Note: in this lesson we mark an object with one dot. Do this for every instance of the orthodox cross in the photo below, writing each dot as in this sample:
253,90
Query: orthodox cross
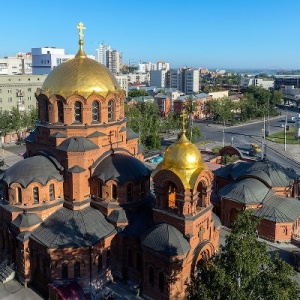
81,28
183,115
110,134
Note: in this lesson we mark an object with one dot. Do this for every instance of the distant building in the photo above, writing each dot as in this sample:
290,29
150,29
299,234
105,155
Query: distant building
219,94
123,82
185,80
161,65
164,104
19,91
19,64
287,80
45,59
146,67
158,78
139,78
101,53
261,82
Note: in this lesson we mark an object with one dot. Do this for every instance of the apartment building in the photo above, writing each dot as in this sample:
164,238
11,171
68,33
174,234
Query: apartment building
123,82
146,67
158,78
19,64
185,80
19,91
262,82
138,77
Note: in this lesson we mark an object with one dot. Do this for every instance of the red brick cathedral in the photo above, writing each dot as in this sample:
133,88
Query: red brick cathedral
79,207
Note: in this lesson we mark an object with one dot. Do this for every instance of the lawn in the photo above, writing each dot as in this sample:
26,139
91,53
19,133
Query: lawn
279,137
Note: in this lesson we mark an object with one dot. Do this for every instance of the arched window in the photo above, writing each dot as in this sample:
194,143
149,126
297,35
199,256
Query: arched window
151,276
100,189
110,111
77,270
19,195
129,191
52,191
77,112
64,271
129,258
60,112
36,198
95,111
100,263
161,281
114,191
172,203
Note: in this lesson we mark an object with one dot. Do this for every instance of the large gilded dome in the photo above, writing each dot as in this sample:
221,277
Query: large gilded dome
184,159
80,75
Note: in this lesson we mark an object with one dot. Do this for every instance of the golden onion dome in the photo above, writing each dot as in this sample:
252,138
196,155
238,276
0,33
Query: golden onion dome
80,75
184,159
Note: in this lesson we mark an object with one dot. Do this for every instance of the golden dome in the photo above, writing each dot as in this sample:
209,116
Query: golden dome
80,75
184,159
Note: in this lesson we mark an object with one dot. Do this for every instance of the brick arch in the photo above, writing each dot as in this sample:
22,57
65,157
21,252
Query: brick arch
166,175
204,249
230,151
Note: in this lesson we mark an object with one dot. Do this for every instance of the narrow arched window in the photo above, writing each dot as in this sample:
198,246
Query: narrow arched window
77,270
19,195
60,112
64,271
78,112
151,276
110,110
52,191
100,263
100,189
36,198
95,111
161,281
129,192
114,191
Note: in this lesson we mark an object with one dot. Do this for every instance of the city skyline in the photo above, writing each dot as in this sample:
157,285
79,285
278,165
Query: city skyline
256,34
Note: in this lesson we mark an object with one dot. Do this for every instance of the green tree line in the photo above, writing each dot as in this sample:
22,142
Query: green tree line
15,120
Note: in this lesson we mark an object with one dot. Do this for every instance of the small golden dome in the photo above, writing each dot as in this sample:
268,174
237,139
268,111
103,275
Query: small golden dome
184,159
80,75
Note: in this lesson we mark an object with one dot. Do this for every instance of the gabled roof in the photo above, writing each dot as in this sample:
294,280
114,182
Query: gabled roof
167,240
27,220
96,134
118,216
280,209
131,134
76,169
77,144
73,228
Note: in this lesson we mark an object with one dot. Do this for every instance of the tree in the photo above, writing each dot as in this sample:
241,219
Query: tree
137,93
243,269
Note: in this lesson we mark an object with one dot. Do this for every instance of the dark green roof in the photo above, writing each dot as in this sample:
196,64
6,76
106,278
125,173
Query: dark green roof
280,209
246,191
167,240
73,228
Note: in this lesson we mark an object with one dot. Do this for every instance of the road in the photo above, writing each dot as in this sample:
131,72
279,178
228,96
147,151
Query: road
241,136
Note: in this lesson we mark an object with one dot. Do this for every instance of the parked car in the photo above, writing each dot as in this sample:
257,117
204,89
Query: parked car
296,259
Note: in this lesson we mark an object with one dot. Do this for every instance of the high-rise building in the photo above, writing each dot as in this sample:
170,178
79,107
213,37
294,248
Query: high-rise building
161,65
101,53
19,64
158,78
110,58
185,80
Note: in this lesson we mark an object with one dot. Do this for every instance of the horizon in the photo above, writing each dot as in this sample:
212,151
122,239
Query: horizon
214,35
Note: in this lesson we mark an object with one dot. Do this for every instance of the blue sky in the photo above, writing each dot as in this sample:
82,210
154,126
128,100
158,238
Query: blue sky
219,34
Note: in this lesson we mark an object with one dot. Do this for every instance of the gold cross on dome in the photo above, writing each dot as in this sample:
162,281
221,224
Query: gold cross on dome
81,28
183,115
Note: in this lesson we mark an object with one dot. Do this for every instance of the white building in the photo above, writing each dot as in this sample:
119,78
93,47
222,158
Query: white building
19,91
113,61
261,82
161,65
123,81
101,53
158,78
185,80
146,67
138,77
19,64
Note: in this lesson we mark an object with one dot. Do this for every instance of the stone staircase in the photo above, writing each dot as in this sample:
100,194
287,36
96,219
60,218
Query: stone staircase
7,271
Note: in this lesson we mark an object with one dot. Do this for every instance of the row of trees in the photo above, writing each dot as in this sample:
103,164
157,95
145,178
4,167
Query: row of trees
255,103
243,269
15,120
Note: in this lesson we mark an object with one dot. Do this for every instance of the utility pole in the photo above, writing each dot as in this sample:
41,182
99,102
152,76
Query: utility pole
223,133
